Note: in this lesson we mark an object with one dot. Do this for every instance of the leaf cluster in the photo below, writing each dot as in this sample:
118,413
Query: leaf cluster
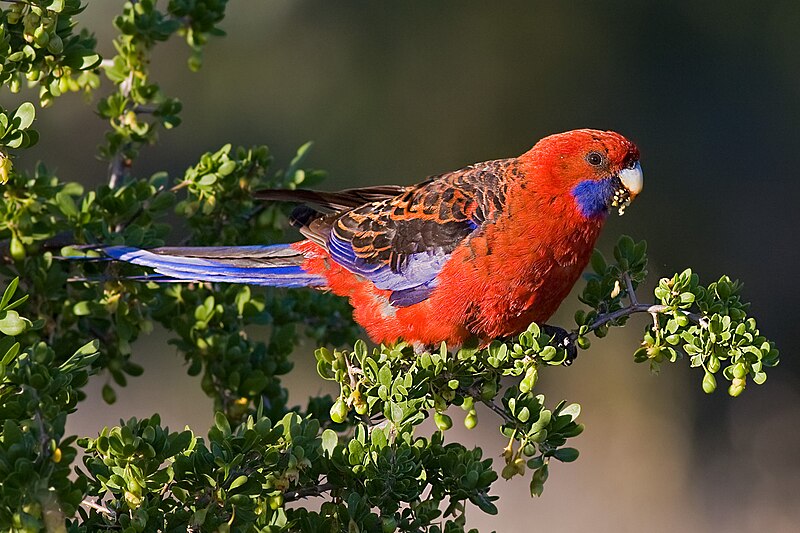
138,106
401,386
709,324
36,394
38,43
723,338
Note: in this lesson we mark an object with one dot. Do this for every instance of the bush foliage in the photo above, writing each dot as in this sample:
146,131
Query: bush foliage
361,453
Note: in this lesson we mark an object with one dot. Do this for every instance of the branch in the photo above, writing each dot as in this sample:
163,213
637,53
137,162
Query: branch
634,307
99,508
306,492
116,171
602,320
629,287
120,163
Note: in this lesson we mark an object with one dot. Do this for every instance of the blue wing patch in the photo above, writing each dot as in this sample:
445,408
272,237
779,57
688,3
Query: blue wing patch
411,284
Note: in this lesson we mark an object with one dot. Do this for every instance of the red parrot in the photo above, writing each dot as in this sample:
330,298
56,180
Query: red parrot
480,252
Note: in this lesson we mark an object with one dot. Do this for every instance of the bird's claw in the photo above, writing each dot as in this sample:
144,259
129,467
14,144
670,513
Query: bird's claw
562,339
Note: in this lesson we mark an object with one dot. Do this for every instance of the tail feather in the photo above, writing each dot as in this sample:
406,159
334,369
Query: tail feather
275,265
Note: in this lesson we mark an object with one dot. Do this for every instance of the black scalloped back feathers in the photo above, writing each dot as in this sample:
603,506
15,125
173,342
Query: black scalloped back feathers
400,237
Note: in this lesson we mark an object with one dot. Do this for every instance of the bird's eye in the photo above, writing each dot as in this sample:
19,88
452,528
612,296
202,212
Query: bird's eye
595,159
631,163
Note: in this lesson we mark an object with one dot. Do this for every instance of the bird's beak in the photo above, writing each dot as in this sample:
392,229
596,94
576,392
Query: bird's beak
632,179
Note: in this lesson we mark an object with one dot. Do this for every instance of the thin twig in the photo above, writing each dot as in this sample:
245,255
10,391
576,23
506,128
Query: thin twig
306,492
635,307
602,320
119,163
145,109
116,171
352,370
629,287
181,185
99,508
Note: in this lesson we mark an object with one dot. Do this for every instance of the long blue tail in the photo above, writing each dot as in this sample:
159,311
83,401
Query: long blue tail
276,265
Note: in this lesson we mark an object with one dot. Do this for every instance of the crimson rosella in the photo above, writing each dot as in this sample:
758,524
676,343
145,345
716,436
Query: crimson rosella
477,253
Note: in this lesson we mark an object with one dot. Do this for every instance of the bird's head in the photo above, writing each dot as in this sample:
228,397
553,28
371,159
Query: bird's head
600,170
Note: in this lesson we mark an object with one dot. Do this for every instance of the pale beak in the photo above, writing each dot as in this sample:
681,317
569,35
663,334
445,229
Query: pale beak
632,179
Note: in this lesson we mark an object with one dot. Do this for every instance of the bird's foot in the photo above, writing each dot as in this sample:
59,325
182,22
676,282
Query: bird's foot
563,339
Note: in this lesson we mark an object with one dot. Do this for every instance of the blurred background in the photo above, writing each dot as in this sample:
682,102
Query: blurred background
394,92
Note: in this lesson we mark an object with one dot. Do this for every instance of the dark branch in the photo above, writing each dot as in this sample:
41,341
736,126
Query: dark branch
307,492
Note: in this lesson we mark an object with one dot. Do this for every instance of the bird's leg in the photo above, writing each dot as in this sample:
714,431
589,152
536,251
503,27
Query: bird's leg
562,339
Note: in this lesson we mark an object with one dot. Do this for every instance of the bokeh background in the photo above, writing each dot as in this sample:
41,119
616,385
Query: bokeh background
391,92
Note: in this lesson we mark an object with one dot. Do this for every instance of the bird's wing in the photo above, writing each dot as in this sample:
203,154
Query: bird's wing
401,243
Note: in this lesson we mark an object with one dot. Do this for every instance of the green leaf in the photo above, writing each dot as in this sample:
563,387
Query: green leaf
109,396
226,168
9,292
66,204
484,503
12,433
222,424
385,376
25,113
572,411
81,59
81,309
566,455
89,348
15,140
360,349
329,441
598,262
12,324
179,443
10,353
238,482
298,159
537,481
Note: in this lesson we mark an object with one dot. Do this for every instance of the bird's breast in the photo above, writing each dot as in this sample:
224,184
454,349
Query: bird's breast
516,271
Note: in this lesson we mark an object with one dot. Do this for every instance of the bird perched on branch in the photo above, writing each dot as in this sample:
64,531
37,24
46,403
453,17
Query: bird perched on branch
480,252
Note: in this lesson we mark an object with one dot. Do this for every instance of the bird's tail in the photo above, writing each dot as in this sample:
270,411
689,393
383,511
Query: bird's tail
279,265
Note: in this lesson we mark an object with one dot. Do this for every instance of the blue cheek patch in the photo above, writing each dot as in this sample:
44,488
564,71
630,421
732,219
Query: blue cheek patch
593,197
